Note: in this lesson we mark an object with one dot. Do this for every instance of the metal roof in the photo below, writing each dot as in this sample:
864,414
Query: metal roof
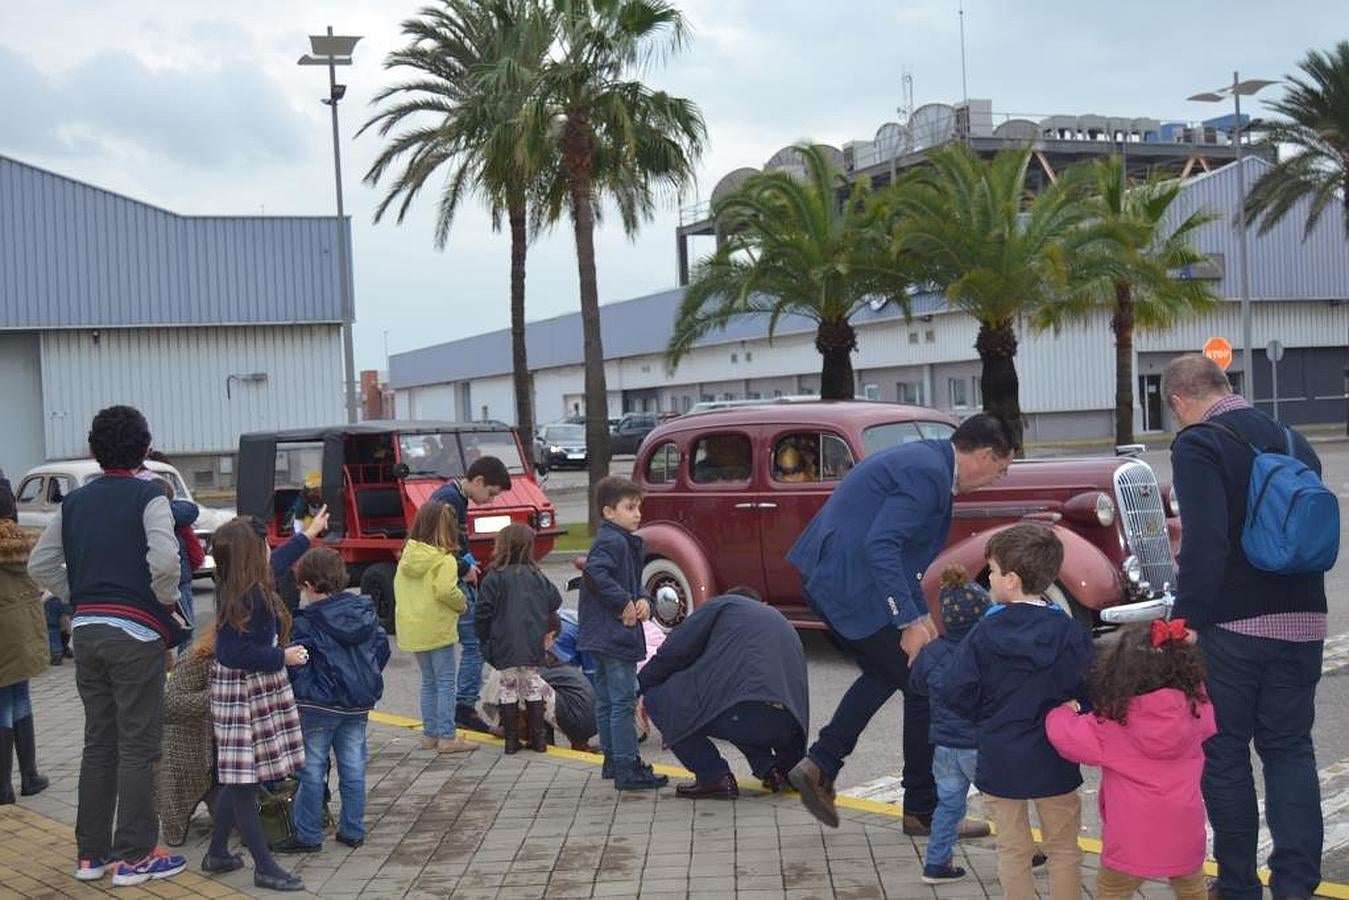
372,426
74,255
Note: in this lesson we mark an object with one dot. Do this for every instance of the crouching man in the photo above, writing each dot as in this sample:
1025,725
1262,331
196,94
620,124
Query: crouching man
733,670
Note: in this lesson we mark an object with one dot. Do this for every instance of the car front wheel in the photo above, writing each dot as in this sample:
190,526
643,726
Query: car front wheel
377,584
658,573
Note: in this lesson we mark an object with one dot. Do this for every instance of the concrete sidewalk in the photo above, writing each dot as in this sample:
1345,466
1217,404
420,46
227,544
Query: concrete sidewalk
485,825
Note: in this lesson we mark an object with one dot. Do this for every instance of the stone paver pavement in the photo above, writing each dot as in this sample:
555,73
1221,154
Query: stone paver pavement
485,825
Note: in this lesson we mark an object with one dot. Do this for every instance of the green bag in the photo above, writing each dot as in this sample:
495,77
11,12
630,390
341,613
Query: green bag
275,806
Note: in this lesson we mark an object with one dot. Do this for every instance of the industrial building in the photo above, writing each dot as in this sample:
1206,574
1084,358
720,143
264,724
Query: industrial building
211,325
1300,297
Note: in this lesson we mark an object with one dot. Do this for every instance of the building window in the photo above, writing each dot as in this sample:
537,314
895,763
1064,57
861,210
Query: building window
913,337
930,336
707,398
777,394
749,356
959,399
685,403
753,395
978,392
734,358
871,391
728,396
910,392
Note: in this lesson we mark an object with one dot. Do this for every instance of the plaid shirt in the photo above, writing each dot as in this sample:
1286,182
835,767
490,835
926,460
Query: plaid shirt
1292,626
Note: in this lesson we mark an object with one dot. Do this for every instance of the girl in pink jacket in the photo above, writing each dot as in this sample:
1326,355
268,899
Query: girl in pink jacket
1151,719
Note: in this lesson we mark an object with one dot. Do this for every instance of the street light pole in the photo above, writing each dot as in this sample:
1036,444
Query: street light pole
1236,89
332,51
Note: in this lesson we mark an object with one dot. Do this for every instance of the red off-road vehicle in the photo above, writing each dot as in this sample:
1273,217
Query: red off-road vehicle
373,477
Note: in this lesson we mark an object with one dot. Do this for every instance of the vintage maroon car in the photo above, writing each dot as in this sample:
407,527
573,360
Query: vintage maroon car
727,493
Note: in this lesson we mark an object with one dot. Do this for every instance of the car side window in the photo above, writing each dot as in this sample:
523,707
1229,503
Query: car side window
30,490
810,457
663,465
938,431
719,458
57,488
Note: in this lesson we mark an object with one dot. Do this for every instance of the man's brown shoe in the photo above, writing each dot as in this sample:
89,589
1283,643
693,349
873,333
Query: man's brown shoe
816,790
723,788
921,826
776,781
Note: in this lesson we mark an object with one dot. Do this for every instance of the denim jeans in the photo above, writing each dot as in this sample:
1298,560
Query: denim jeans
615,707
885,669
121,683
438,689
953,769
54,608
1263,690
15,703
470,657
767,735
345,737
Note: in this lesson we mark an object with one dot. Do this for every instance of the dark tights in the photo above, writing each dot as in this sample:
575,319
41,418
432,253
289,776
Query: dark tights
237,807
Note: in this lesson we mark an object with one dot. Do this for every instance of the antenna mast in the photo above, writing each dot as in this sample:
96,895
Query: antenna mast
964,87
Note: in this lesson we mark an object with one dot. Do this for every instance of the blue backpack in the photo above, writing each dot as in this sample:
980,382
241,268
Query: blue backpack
1292,519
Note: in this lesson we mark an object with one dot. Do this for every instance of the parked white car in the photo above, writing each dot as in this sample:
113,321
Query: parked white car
39,492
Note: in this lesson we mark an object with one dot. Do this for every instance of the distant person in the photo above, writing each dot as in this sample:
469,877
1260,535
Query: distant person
514,606
861,559
486,477
1262,636
733,670
1151,716
428,606
1025,657
307,503
23,655
611,612
335,690
110,551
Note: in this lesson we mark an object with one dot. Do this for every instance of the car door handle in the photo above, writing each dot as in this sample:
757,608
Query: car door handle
744,506
768,506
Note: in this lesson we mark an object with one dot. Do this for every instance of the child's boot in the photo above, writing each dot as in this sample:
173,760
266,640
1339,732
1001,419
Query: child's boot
538,730
635,775
25,747
510,725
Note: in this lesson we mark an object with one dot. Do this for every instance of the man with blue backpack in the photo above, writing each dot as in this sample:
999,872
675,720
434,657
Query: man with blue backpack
1259,530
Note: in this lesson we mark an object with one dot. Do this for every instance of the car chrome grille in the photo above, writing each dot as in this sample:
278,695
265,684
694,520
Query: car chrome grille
1143,518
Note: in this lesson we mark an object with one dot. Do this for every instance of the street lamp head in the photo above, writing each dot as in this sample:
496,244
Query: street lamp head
1252,86
1206,97
308,60
333,44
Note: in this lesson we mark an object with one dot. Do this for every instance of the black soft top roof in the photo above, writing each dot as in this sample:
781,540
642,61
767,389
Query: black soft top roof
373,426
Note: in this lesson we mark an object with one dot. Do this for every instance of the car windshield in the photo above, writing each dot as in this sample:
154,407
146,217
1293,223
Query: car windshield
564,433
449,454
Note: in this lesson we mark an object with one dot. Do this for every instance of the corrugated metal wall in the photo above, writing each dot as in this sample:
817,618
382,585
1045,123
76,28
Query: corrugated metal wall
21,376
75,255
177,377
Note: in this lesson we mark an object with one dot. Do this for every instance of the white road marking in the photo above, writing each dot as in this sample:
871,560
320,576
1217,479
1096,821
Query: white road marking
1336,654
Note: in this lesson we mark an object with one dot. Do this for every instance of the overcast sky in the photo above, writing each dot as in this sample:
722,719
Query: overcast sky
200,108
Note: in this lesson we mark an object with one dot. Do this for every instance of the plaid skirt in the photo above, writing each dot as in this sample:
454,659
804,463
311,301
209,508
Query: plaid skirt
257,727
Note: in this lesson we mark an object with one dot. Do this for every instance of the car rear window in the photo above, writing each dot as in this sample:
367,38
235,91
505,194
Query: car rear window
663,465
891,434
720,458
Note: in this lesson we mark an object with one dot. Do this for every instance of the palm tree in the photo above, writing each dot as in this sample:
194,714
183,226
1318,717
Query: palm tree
793,248
616,140
1135,242
1317,108
971,230
470,133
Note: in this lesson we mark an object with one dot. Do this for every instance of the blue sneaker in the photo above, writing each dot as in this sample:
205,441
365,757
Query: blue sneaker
942,874
93,869
157,865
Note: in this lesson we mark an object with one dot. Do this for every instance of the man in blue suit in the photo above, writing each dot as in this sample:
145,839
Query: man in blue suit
861,561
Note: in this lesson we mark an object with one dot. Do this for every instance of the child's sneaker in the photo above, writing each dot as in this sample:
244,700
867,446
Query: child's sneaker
942,874
156,865
1038,861
638,776
93,869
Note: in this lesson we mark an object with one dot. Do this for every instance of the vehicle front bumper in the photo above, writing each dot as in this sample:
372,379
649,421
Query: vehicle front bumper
1158,607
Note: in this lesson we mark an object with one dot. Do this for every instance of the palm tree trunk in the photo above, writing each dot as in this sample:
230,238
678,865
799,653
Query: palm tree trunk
836,341
996,344
1122,323
524,387
577,146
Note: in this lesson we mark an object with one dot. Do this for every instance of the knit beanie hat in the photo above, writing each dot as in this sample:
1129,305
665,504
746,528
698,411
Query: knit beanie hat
963,603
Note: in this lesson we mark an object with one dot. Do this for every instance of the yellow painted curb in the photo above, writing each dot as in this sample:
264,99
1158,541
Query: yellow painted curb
894,810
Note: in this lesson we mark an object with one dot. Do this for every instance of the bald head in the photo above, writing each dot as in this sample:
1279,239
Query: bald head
1191,384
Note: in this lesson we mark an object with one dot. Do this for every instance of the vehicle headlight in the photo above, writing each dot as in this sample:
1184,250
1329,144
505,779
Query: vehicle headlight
545,520
1133,569
1105,510
554,448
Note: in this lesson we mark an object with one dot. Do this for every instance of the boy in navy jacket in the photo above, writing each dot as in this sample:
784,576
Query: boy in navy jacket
1023,659
335,692
611,610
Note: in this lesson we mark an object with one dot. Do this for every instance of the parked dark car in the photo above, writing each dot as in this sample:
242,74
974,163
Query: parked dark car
561,446
727,493
627,435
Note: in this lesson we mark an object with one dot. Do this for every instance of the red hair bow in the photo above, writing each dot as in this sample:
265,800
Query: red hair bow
1163,631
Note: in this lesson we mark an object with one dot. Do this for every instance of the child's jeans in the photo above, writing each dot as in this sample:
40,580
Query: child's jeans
520,683
1060,820
953,770
1114,885
469,687
438,689
55,608
344,736
615,707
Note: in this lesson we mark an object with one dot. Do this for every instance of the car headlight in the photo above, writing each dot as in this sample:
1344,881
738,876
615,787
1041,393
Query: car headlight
1105,510
545,520
1133,569
554,448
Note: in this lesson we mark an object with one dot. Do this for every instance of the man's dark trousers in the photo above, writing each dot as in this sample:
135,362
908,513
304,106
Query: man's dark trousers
885,669
1263,690
766,733
121,682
